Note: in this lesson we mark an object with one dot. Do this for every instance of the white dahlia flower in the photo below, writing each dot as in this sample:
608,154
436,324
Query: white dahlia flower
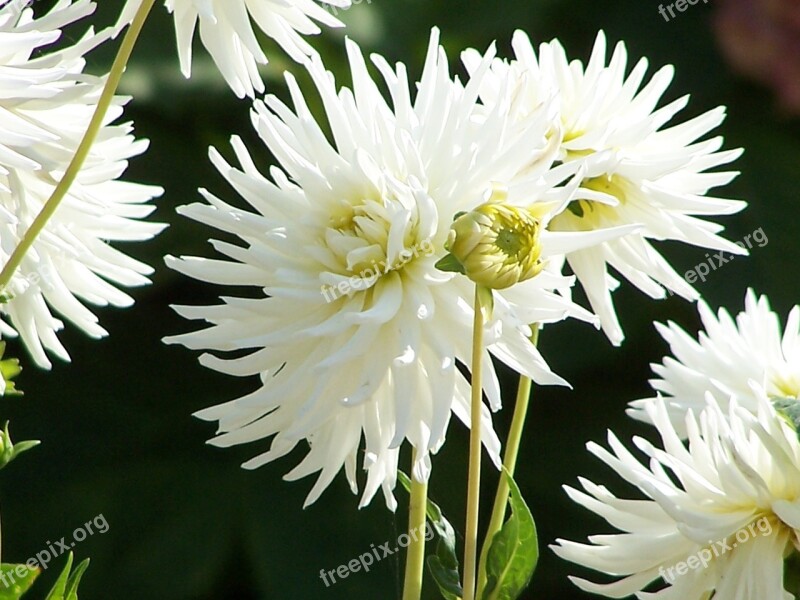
718,516
226,30
358,333
638,169
741,359
46,102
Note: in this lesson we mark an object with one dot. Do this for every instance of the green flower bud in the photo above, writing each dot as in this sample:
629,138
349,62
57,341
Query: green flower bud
496,245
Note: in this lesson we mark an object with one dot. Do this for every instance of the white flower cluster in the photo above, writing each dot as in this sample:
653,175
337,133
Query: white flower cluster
589,150
585,149
734,394
584,154
46,102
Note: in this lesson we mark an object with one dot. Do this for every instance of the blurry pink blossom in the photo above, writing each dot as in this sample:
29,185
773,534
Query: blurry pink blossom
761,39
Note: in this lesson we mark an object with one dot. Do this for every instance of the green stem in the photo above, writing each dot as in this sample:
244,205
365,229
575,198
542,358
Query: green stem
415,559
474,483
95,125
510,463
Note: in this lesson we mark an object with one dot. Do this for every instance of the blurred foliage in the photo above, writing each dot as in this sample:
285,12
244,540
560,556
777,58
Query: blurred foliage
9,369
16,580
185,521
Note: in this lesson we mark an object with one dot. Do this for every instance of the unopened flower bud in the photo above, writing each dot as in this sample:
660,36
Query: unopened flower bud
496,245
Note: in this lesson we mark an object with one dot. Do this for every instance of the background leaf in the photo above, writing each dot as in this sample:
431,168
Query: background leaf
443,565
75,580
59,590
513,552
12,586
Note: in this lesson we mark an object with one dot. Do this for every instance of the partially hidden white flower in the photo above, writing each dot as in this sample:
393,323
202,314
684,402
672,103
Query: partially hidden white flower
638,169
357,334
718,516
742,358
46,102
226,30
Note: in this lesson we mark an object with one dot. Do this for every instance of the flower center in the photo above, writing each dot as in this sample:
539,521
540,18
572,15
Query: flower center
591,210
369,238
786,387
510,242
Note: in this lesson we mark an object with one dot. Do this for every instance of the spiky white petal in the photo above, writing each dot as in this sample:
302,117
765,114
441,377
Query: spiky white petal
379,360
732,497
226,31
742,358
638,169
46,102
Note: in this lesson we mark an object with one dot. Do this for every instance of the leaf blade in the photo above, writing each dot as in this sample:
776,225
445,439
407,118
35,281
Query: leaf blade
443,565
514,551
12,585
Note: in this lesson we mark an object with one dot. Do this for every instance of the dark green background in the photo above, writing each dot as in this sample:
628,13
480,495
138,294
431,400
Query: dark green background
185,521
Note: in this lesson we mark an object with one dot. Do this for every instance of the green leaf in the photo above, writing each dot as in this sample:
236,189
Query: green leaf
60,588
66,587
514,551
9,368
12,585
576,208
9,450
789,409
450,264
446,578
75,580
443,565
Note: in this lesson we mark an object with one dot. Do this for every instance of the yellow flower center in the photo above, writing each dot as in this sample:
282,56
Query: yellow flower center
786,387
591,213
367,239
363,236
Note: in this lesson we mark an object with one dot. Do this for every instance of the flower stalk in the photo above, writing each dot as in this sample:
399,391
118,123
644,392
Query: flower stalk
509,462
84,148
415,559
474,483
